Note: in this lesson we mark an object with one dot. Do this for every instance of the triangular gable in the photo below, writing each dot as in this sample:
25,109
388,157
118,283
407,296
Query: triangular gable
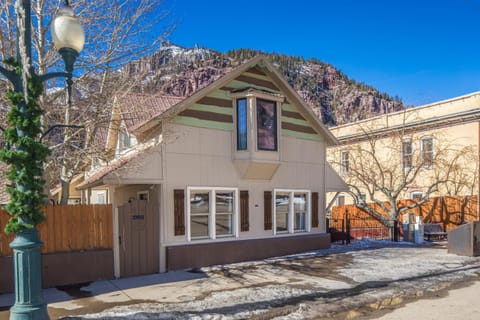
211,106
333,181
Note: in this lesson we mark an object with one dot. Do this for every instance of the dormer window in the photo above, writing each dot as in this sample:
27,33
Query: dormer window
242,121
124,141
266,125
256,139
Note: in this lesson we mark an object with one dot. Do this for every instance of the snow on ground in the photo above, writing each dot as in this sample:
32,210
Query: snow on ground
365,274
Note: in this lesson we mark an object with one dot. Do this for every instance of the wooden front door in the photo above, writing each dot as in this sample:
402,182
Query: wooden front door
138,238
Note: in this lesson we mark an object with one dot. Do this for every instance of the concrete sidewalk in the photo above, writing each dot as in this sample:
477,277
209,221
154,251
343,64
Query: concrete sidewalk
359,279
99,295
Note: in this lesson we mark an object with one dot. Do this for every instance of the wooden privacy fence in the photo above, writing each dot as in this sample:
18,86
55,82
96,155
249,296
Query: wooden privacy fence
68,228
451,211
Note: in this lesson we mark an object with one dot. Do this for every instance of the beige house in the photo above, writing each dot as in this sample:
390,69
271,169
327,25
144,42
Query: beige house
237,171
438,142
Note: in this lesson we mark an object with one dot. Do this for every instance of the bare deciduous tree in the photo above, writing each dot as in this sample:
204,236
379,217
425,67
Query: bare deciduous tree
117,31
384,167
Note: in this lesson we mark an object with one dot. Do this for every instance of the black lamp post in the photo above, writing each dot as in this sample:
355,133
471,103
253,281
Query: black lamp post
25,154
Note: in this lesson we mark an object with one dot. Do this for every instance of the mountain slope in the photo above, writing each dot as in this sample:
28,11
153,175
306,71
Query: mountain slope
333,96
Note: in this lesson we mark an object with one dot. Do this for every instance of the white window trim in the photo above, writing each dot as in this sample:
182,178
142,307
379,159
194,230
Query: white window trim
415,193
291,216
211,217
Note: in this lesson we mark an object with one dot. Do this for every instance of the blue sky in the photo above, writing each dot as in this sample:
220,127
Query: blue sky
422,51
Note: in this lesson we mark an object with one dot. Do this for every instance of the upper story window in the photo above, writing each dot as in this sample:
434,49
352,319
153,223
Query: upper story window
341,200
124,141
257,115
242,124
407,154
345,162
426,145
266,125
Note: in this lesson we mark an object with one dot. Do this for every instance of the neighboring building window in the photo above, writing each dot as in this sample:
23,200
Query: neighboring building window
212,212
341,200
416,195
407,154
242,124
427,151
123,140
266,125
292,211
345,162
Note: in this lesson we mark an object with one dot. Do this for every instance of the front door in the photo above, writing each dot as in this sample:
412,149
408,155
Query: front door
138,238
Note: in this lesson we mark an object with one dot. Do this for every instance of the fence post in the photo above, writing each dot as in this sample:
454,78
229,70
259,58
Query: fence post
327,224
347,221
343,232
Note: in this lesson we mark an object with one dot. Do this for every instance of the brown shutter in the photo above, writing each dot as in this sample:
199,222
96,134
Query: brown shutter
267,213
314,209
244,224
179,211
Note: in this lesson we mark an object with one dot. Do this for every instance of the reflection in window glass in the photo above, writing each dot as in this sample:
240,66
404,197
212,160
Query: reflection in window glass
242,124
427,151
212,213
266,125
300,210
199,209
292,211
282,201
224,212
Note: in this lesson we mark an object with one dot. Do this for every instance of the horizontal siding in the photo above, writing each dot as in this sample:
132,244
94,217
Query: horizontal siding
193,122
213,109
300,135
206,115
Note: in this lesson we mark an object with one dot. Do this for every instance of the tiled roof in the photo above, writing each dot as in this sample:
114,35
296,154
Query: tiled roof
137,109
114,165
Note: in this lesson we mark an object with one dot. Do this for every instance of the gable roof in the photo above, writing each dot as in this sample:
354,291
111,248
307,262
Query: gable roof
280,83
137,108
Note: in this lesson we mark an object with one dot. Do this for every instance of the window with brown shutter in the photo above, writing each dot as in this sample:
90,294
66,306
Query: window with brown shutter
244,219
179,211
267,213
314,209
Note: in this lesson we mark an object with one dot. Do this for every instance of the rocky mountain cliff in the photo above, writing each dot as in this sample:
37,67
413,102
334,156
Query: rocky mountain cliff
336,98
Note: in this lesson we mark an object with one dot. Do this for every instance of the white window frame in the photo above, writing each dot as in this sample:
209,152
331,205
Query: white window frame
422,151
212,214
291,215
344,168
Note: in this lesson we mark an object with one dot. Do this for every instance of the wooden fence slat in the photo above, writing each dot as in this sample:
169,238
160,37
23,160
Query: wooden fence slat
451,211
68,228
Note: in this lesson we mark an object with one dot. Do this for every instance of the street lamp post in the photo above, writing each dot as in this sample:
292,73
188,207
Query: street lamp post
25,154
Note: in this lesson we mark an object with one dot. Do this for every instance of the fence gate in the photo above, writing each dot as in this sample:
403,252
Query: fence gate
138,238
